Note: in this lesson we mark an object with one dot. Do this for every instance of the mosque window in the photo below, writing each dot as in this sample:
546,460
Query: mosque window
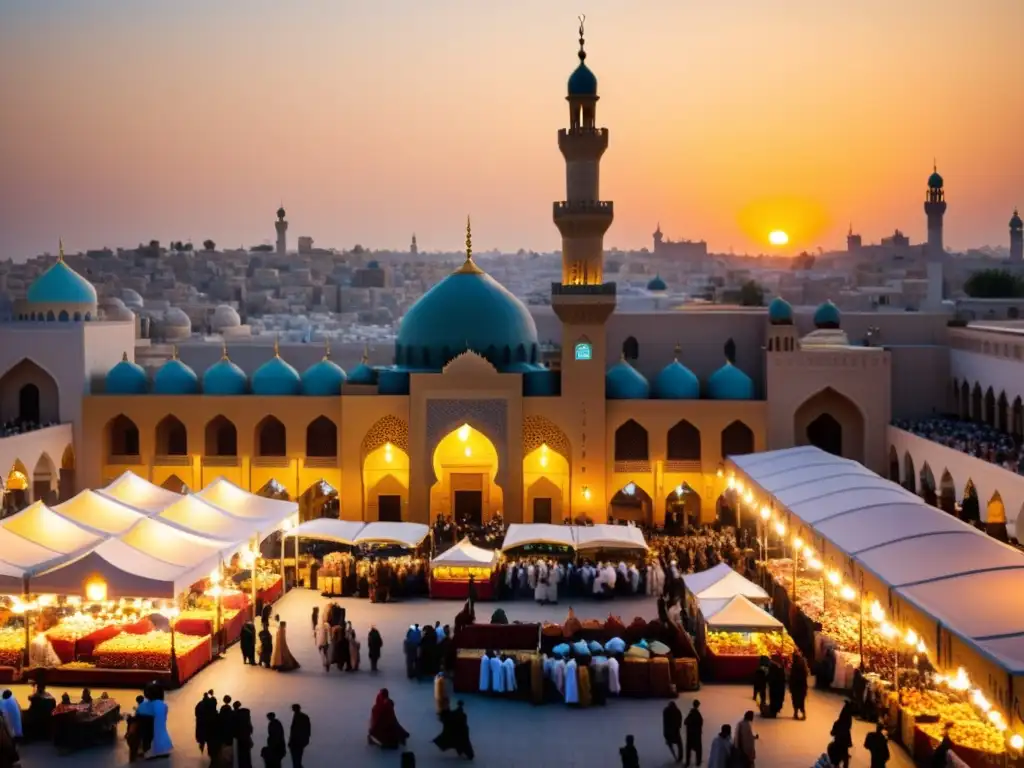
88,316
50,317
63,316
78,317
631,348
521,354
584,351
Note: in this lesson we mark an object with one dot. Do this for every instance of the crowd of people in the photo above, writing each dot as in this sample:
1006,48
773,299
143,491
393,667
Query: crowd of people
974,438
447,532
271,649
375,576
546,579
225,733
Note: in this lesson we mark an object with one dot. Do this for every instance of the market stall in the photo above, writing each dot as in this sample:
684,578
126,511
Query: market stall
99,512
335,575
451,570
735,634
526,540
392,561
136,492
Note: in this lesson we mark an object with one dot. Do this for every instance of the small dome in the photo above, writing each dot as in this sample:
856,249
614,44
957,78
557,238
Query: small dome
827,316
323,379
276,377
225,378
131,298
175,378
176,318
780,312
392,381
60,284
582,82
657,284
362,374
935,180
114,309
676,382
225,317
730,383
373,264
1015,221
280,212
126,378
624,382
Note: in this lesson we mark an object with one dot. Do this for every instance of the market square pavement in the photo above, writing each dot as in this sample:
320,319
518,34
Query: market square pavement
505,734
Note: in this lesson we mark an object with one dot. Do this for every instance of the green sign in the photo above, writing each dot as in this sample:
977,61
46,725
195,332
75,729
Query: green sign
583,351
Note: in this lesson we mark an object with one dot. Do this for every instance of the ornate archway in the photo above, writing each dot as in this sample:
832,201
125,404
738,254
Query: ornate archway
122,438
737,439
221,438
29,395
631,503
682,509
385,470
928,492
995,517
909,473
44,480
833,422
894,464
465,467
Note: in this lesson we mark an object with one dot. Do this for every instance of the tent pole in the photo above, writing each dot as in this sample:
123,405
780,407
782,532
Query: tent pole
220,615
284,540
252,574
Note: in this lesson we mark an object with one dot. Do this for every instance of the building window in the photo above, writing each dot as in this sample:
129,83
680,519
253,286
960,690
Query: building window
584,351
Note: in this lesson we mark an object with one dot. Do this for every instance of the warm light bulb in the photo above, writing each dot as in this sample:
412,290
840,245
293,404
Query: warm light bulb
286,525
679,490
586,492
749,498
780,528
921,647
888,630
96,591
798,543
765,513
719,473
215,576
808,553
847,593
543,447
731,484
1017,741
468,451
834,577
739,487
911,638
464,432
877,614
815,564
543,461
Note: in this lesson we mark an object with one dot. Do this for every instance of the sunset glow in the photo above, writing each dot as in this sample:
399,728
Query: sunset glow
778,237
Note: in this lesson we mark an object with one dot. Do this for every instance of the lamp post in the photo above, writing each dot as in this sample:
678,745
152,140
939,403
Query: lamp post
285,527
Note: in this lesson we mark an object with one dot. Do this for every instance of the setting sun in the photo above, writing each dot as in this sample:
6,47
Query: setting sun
778,237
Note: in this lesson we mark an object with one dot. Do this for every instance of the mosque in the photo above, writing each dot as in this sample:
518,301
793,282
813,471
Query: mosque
471,419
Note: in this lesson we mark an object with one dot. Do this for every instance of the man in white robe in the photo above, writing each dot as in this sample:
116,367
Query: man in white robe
558,676
634,579
12,713
554,576
497,675
531,575
572,690
510,674
613,676
485,673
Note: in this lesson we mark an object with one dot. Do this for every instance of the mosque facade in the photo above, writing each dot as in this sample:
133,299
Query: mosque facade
468,420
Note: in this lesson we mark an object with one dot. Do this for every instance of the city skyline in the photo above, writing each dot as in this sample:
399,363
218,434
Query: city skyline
176,122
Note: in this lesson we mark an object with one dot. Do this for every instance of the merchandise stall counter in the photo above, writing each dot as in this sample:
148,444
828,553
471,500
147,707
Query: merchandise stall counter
451,570
270,593
80,726
513,637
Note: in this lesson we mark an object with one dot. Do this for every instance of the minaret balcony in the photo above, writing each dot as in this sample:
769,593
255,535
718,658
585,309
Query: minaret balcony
574,207
582,143
583,218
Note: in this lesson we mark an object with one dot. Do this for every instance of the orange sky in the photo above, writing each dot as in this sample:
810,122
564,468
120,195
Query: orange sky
126,122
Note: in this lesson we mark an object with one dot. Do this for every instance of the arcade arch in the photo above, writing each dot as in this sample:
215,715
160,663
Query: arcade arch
682,508
633,504
990,407
546,485
16,488
928,485
122,437
271,438
29,395
995,517
970,511
465,463
67,473
832,422
630,348
947,493
683,442
386,483
631,442
171,437
894,464
44,480
909,473
965,401
737,439
319,500
322,438
221,438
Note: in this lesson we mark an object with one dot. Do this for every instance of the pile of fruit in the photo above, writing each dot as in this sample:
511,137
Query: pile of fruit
970,734
209,614
461,573
969,729
82,624
12,647
78,665
754,644
149,651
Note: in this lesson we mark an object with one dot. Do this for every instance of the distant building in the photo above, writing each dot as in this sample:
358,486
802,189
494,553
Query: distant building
305,244
370,276
896,240
691,252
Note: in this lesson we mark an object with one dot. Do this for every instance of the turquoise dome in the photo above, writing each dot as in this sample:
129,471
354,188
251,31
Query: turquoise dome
582,82
393,381
323,379
276,377
730,383
780,312
127,378
624,382
175,378
60,284
827,315
676,382
225,378
541,383
1015,222
362,374
935,180
657,284
466,310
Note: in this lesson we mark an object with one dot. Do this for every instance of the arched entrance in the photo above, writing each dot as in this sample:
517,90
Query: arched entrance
272,489
947,494
976,413
682,509
737,439
832,422
995,517
970,509
631,503
385,461
1002,413
44,480
28,396
990,407
909,473
727,509
894,464
546,483
319,500
465,464
67,473
928,485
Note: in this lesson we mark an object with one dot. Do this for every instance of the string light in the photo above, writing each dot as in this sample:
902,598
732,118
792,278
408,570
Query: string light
834,578
847,593
780,528
765,513
798,543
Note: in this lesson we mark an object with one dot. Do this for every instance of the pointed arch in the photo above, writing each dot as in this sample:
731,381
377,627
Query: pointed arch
272,489
171,437
970,510
1002,413
631,348
1017,417
322,438
221,438
909,473
682,508
387,429
67,460
631,442
538,431
737,439
894,464
29,395
990,407
947,493
833,422
965,401
633,504
122,438
271,438
928,485
683,442
976,404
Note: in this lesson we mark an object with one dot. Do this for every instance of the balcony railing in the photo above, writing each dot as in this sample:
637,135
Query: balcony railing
270,462
601,289
682,465
569,207
633,466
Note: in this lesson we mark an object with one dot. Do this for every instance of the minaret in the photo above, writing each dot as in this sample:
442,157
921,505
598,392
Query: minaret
582,300
413,248
659,238
935,209
1016,239
282,232
853,241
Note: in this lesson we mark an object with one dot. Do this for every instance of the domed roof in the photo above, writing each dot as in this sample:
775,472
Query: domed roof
60,284
467,310
131,298
126,378
175,378
280,212
323,379
827,315
780,312
730,383
276,377
657,284
624,382
1015,221
541,383
935,180
176,318
582,82
225,378
114,309
225,317
676,382
362,374
374,264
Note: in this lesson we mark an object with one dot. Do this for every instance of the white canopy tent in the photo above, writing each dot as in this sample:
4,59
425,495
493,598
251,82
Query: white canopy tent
194,514
722,583
100,512
966,581
240,503
737,614
409,535
609,537
141,494
520,535
12,579
329,529
466,554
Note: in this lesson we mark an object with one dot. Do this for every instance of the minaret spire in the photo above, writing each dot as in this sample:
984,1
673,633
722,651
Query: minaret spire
583,53
60,249
468,266
277,345
327,348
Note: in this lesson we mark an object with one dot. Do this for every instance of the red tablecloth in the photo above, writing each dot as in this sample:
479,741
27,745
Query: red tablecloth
728,668
233,627
85,646
271,593
235,601
194,660
196,627
467,675
442,589
64,648
502,637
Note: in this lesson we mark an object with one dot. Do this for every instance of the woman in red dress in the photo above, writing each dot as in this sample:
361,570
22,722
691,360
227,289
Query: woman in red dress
385,730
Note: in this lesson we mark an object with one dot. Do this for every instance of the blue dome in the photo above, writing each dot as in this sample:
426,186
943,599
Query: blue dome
362,374
657,284
323,379
466,310
393,381
582,82
935,180
827,316
676,382
1015,221
225,378
175,378
624,382
276,377
730,383
780,312
127,378
60,284
542,383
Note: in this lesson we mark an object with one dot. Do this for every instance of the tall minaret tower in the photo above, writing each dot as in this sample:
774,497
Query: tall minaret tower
1016,238
582,300
282,232
935,209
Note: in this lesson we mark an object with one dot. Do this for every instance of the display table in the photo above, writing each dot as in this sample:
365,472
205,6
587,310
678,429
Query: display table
445,589
272,593
191,662
502,637
924,746
85,647
731,668
81,725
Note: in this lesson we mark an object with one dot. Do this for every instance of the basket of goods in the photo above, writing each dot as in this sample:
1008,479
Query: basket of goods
150,651
12,647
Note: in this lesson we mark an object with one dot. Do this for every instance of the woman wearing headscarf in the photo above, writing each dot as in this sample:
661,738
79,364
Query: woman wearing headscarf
338,647
154,706
798,686
353,647
282,659
385,730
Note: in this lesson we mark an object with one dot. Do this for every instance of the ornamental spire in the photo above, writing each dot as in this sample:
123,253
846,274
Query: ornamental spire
678,350
224,351
60,249
468,266
366,354
124,357
174,352
277,345
327,348
582,54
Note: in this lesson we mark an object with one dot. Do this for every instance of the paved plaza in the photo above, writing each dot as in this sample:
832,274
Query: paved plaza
506,734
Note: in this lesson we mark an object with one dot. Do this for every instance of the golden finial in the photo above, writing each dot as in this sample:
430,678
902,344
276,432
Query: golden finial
224,351
277,345
468,267
327,348
366,354
469,238
678,350
124,357
582,54
174,352
60,249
